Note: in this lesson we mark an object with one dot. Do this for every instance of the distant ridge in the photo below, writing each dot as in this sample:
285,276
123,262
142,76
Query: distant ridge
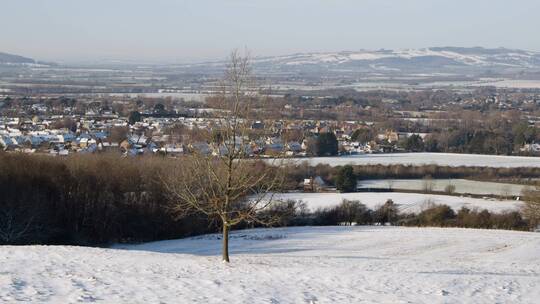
407,59
15,59
473,61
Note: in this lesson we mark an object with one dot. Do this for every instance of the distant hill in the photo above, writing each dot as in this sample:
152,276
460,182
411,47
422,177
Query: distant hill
440,59
14,59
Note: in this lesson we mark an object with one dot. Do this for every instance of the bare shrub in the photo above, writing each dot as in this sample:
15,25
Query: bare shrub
531,207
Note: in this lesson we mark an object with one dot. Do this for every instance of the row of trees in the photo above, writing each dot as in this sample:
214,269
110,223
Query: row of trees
502,140
344,180
444,216
353,212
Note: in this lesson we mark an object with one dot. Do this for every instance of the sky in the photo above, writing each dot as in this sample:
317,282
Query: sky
197,30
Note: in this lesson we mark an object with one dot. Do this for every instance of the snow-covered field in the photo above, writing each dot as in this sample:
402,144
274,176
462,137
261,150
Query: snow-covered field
510,83
441,159
293,265
407,202
461,185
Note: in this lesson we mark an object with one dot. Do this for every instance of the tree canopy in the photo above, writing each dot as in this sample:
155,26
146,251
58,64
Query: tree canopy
346,179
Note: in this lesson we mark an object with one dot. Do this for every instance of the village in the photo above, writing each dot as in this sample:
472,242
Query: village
62,126
106,132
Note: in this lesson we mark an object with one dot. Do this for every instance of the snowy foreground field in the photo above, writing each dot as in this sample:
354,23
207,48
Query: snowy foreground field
407,202
293,265
441,159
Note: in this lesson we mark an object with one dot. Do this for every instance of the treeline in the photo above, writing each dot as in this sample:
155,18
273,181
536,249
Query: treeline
356,213
296,173
500,136
505,139
444,172
88,200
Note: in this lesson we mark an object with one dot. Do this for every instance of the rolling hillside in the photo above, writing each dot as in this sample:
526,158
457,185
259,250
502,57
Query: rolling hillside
292,265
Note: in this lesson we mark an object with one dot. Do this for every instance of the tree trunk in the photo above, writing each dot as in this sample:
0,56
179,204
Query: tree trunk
225,250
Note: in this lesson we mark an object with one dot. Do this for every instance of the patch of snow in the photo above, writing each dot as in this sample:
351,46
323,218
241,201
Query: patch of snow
509,83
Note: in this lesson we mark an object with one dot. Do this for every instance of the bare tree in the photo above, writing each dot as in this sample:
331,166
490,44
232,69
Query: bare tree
229,184
16,224
427,182
506,191
450,188
390,183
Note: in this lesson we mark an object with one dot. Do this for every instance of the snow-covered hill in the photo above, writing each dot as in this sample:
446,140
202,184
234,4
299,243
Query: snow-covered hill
293,265
458,56
440,59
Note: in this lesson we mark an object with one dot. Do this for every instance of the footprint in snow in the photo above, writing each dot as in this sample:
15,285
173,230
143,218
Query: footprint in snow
309,298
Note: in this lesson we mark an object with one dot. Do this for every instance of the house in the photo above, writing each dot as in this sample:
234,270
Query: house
316,184
391,136
33,141
91,148
83,142
201,148
530,148
294,146
305,144
173,149
64,138
258,125
138,140
274,148
223,149
7,143
63,152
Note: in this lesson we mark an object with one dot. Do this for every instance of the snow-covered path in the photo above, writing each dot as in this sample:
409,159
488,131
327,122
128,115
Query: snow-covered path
293,265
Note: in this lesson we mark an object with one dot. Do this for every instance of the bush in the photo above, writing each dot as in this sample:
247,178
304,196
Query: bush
450,189
531,208
353,212
387,213
444,216
508,220
439,215
346,213
414,143
484,219
286,213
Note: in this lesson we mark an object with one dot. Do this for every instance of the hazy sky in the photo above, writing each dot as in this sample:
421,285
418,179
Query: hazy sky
183,30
